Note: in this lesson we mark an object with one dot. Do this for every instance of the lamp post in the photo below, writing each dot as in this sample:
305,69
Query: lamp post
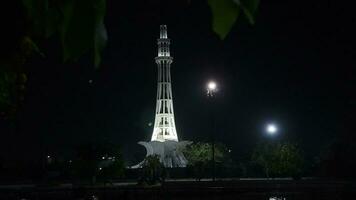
211,91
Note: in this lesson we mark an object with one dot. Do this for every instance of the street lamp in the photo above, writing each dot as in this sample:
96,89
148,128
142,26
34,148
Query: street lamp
211,90
271,129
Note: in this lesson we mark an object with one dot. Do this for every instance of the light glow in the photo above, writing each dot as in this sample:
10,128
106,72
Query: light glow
211,85
271,129
211,88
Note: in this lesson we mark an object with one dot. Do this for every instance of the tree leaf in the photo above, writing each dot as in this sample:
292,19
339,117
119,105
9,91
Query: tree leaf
225,14
52,21
83,29
31,46
66,9
77,29
101,36
36,10
249,8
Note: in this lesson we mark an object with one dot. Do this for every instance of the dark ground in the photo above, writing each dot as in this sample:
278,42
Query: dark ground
238,189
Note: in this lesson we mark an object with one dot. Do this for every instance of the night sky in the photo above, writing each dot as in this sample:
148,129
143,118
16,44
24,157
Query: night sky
294,67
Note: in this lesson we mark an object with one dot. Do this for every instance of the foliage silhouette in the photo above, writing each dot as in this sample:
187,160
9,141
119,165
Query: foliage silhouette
152,170
199,156
279,159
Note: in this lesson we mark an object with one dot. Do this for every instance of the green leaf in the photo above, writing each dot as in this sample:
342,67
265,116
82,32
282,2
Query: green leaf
67,9
101,36
225,14
52,21
7,85
80,24
249,8
32,46
83,29
77,29
36,10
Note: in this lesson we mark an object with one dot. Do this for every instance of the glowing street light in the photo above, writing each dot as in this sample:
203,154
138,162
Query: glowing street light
271,129
212,85
211,88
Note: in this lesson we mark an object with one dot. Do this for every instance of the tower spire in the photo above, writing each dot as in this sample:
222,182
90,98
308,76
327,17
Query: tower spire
163,32
164,127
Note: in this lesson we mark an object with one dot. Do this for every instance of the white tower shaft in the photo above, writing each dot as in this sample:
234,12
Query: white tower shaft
164,127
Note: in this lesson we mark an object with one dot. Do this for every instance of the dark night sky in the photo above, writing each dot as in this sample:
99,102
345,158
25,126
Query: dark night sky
295,67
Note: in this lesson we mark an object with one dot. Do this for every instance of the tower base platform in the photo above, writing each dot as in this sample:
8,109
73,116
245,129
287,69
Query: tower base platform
170,152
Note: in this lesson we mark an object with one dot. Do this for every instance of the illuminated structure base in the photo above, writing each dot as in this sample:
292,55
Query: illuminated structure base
170,152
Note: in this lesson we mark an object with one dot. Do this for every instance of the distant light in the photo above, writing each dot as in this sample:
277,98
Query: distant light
271,129
211,88
90,81
103,157
48,156
230,150
277,198
100,168
70,161
211,85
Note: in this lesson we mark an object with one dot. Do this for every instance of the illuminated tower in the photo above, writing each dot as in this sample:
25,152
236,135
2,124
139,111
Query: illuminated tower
164,126
164,141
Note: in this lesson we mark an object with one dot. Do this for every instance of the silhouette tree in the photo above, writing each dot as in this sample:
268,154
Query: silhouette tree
279,159
199,156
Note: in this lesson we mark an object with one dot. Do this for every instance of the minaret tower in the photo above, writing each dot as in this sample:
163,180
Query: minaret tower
164,141
164,127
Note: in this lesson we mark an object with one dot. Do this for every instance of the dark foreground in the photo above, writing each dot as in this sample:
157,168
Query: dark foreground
185,189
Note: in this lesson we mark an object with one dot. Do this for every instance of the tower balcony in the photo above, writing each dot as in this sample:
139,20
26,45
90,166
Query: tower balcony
168,58
163,40
164,59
